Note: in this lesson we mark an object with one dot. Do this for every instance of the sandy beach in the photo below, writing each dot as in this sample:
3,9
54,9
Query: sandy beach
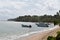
42,35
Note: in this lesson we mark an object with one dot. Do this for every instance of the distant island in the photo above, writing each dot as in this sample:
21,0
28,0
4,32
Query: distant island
35,18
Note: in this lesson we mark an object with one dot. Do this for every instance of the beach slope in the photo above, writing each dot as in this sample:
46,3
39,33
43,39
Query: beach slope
42,35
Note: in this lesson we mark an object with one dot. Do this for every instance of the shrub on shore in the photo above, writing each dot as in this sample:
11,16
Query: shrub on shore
55,22
54,38
58,35
51,38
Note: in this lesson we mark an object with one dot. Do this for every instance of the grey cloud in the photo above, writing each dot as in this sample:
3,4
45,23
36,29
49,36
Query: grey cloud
14,8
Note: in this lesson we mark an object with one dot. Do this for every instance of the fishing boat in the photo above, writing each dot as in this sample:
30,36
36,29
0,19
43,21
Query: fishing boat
42,25
28,26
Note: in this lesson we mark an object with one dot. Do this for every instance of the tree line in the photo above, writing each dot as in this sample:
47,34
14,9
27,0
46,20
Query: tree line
35,18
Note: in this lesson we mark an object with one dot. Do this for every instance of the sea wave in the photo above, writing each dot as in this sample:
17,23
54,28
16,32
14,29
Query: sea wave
13,37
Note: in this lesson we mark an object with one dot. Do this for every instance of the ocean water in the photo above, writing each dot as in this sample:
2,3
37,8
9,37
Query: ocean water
12,30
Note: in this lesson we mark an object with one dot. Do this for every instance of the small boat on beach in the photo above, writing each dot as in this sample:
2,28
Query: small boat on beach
28,26
42,25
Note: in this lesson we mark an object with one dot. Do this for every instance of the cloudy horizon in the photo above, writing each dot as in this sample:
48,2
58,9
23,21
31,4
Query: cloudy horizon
15,8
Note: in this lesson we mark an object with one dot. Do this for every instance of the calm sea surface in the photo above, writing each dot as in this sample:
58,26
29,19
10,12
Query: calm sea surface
10,30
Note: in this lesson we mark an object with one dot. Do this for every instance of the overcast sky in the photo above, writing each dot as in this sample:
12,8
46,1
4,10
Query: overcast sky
14,8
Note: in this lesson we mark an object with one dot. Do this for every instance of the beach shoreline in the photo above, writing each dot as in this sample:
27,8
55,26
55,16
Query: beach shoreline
40,35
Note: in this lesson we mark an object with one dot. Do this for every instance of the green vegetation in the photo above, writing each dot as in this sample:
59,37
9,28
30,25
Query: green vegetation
56,22
58,35
51,38
54,38
44,18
